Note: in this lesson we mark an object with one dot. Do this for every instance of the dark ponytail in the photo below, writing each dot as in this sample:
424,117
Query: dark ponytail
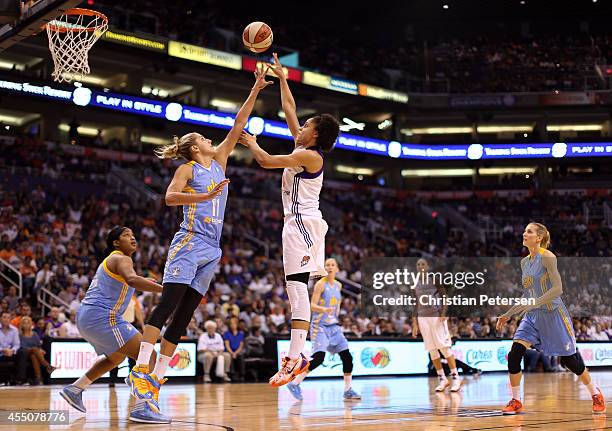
112,236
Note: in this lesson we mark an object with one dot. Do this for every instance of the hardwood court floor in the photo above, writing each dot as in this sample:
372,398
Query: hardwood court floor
553,402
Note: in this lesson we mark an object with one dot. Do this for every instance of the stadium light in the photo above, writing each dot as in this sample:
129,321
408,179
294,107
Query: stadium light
350,125
573,127
354,171
460,172
153,140
385,124
438,130
504,171
493,128
225,105
85,131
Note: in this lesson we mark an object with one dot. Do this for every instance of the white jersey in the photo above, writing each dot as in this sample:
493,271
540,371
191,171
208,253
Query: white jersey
304,228
300,192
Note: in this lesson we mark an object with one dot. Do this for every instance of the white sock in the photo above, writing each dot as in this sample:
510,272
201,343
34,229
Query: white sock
592,389
348,380
144,356
299,379
454,373
298,339
161,365
516,392
440,372
83,382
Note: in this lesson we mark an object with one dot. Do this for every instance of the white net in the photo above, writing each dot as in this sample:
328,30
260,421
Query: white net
70,38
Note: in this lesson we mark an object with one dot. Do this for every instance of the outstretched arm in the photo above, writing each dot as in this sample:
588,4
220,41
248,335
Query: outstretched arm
125,268
287,100
310,160
225,148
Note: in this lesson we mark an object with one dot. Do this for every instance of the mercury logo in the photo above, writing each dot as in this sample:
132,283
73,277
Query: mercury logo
256,126
394,149
174,111
81,96
475,151
559,149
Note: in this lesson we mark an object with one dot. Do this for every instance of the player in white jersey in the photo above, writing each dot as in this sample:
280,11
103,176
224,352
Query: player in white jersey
433,326
304,228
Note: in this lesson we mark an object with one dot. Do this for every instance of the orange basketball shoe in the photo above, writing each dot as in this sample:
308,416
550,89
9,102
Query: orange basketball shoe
513,407
599,404
290,369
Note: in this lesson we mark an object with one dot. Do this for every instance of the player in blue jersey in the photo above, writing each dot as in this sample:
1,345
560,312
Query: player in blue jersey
325,332
99,318
199,187
546,325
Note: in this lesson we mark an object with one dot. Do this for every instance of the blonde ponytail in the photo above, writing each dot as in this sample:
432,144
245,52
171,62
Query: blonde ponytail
180,148
541,229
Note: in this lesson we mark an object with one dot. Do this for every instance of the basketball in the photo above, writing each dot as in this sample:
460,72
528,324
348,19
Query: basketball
257,36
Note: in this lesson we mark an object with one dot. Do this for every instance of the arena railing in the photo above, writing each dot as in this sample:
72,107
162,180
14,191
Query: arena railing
5,268
46,306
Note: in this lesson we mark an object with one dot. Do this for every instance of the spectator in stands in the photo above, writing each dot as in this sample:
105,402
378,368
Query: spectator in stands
28,269
54,325
10,350
278,316
31,346
599,334
23,311
234,345
69,293
193,331
41,328
211,348
12,298
230,308
254,343
43,277
70,329
73,307
81,281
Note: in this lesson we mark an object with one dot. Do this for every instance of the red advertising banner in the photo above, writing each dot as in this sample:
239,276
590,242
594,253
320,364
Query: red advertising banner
251,64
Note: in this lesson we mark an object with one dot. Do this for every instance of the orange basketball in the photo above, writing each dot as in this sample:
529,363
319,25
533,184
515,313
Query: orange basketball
257,36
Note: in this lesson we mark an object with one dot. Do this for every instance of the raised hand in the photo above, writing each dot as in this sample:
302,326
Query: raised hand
277,68
246,139
501,322
260,78
216,191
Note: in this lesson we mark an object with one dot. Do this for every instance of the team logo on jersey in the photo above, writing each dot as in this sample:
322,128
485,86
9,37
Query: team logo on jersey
176,271
305,260
189,246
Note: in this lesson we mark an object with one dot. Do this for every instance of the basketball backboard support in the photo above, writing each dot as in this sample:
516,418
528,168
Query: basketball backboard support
34,16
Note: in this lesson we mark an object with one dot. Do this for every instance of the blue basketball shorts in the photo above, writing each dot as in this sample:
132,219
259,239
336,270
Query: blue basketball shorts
549,331
327,338
191,260
94,324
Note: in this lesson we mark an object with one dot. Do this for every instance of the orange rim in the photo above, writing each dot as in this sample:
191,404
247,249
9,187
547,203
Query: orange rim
79,11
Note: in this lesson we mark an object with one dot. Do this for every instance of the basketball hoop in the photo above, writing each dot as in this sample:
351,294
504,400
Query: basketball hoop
71,36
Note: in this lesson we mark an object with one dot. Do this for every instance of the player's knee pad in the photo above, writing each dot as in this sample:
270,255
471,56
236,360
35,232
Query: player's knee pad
574,363
515,356
316,360
171,296
299,301
347,361
182,315
434,354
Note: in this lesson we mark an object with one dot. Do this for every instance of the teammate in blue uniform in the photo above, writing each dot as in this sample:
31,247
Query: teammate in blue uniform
546,325
99,318
199,186
325,332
